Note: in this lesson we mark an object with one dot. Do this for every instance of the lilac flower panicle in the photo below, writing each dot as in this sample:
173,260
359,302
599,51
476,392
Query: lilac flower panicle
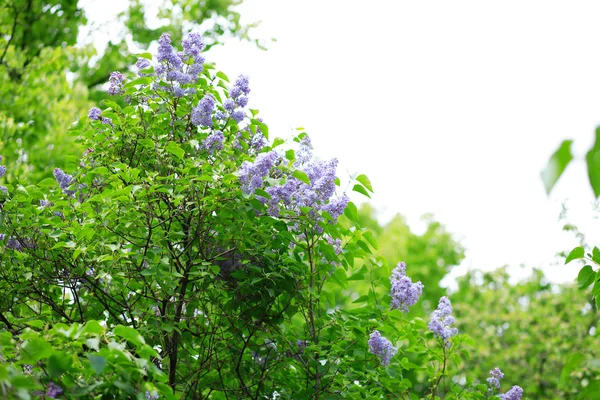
229,105
242,101
336,207
381,347
95,113
494,379
214,141
515,393
238,115
202,113
251,174
3,189
193,45
220,115
404,292
64,180
115,83
2,170
241,85
143,63
441,320
166,53
54,390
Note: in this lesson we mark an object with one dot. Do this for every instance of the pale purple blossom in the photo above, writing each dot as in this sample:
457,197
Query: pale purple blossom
95,114
238,115
115,83
515,393
143,63
54,390
151,396
251,174
441,319
202,113
64,180
214,141
404,292
381,347
242,101
229,105
494,379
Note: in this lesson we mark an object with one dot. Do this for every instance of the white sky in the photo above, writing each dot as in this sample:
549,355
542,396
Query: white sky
450,108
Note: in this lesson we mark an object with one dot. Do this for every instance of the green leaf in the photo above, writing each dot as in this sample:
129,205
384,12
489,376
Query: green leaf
586,277
596,255
98,363
223,76
556,165
35,350
361,189
47,182
593,164
365,182
174,149
301,176
576,253
130,334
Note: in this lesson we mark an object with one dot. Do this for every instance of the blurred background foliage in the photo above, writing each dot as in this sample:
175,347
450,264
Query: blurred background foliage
47,82
541,335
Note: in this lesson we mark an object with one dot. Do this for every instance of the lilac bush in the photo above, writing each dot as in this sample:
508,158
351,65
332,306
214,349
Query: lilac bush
200,260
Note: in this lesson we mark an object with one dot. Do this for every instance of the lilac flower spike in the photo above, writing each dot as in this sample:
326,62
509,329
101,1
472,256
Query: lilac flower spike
251,174
404,292
2,170
54,390
494,379
381,347
214,141
64,180
202,113
441,320
95,114
513,394
116,83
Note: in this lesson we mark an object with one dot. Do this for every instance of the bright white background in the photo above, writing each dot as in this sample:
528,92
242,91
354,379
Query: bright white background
451,108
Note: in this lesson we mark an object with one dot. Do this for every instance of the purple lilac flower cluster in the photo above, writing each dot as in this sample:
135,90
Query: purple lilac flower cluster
238,98
404,292
515,393
95,114
494,379
2,172
180,67
54,390
115,83
213,142
337,244
317,194
64,181
151,396
202,113
381,347
251,175
17,244
441,320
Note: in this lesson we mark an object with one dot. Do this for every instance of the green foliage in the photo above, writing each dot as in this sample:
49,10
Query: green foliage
542,335
87,359
46,82
205,290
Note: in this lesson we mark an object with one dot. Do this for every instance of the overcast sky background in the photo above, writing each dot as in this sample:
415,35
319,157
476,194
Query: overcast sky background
450,108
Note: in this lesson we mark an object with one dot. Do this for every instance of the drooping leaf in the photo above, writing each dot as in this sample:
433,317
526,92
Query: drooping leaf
556,165
593,164
586,277
575,254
